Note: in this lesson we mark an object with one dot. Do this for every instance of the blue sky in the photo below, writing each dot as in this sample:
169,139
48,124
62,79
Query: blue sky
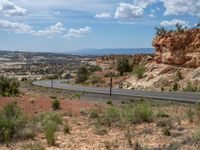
66,25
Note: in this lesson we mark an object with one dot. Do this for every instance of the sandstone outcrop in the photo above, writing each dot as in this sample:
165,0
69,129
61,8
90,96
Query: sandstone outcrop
178,48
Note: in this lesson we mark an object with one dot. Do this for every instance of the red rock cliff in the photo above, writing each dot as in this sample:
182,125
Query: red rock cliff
179,48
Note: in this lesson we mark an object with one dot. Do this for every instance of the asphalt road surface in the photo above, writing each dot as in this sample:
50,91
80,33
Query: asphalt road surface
176,96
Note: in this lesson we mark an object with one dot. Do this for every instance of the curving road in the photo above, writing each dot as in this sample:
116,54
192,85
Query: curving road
176,96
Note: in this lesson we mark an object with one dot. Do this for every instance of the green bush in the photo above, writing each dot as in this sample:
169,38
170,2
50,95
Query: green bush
123,65
190,87
175,87
28,133
49,123
161,31
9,87
179,75
66,129
109,102
46,117
143,112
179,28
82,74
94,113
112,116
96,80
166,131
55,104
162,114
12,121
139,71
49,129
196,136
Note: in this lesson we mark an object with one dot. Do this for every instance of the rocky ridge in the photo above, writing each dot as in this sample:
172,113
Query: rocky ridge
177,61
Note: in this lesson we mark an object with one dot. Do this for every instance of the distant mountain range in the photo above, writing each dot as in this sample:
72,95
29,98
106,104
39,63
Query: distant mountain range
114,51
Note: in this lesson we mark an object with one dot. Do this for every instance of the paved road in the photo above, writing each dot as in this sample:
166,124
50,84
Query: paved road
177,96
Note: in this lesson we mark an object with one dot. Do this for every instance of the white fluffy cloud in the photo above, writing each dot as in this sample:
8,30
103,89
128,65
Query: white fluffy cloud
49,32
78,32
8,9
128,11
181,7
103,15
15,27
173,7
173,23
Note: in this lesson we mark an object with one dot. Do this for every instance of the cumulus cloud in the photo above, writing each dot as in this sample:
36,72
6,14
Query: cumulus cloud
8,9
173,23
78,32
173,7
181,7
103,15
128,11
15,27
50,31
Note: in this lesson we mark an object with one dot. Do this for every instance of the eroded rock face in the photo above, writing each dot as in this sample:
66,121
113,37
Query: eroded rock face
182,49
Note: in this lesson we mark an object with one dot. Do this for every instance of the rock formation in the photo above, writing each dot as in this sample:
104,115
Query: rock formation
178,48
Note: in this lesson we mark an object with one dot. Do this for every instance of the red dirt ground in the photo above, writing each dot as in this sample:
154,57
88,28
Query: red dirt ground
33,105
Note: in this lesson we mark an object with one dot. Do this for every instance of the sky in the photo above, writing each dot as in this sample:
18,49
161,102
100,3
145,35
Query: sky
67,25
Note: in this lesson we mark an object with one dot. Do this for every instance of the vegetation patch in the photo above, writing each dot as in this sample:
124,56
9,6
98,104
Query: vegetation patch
9,86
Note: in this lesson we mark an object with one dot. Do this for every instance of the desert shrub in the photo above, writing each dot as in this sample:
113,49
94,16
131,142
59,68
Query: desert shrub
109,102
143,112
166,131
129,134
35,146
55,104
94,113
66,128
161,31
75,96
175,87
162,114
190,87
111,116
127,113
49,129
123,65
12,121
196,136
48,116
93,68
49,123
99,130
190,114
28,133
82,74
164,123
179,75
96,80
139,71
9,87
179,28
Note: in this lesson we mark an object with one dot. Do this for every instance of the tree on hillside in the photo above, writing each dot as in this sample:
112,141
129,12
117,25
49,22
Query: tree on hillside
82,74
123,65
